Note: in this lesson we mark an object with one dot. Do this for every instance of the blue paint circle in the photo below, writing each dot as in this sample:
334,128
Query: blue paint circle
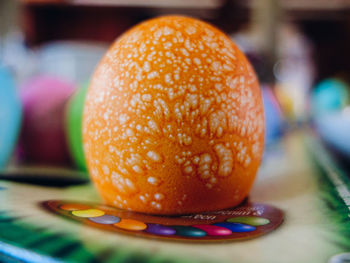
236,227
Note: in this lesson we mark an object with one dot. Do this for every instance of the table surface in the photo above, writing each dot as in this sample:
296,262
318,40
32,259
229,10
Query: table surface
297,176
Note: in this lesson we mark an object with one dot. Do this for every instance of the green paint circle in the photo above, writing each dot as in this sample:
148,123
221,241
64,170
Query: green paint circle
189,231
74,125
249,220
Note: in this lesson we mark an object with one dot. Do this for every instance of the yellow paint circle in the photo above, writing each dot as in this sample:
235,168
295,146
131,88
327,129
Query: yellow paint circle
88,213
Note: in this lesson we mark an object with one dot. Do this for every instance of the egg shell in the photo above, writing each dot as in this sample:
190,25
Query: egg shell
173,120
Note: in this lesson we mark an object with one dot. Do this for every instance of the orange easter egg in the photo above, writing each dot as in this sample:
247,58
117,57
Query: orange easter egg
173,120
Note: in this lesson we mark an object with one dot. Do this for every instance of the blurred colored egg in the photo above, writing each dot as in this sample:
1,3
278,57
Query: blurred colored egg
329,95
10,116
42,139
334,128
74,116
274,122
330,104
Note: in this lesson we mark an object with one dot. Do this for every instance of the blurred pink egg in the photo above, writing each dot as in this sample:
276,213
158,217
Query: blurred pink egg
42,139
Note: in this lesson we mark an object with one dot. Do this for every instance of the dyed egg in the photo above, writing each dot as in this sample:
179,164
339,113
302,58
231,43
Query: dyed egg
330,102
10,116
74,122
173,110
42,139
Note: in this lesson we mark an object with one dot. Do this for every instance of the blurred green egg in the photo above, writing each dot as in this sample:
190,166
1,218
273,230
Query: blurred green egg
74,123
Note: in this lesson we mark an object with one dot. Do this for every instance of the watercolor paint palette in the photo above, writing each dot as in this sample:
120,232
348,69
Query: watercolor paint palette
244,222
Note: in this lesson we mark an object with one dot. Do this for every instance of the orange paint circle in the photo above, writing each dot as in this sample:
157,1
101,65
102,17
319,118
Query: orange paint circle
73,207
173,120
131,224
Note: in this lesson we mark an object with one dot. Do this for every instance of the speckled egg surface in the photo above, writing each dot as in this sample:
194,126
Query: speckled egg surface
173,120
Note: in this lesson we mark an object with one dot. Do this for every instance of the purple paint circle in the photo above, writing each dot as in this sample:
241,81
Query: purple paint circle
162,230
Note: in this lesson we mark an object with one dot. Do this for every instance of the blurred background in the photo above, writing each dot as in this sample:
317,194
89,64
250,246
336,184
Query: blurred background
49,49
